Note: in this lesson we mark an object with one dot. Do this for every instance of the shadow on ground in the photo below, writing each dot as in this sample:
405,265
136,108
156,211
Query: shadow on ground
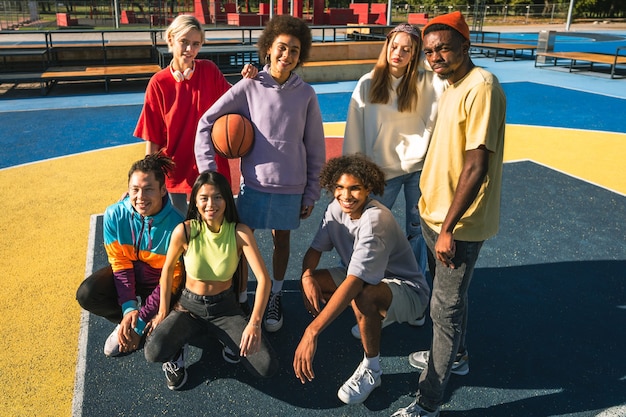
546,327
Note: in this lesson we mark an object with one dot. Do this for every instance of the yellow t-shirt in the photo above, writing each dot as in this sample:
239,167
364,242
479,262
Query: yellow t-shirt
471,113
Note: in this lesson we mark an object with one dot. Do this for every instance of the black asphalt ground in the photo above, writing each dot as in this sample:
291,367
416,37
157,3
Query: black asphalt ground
545,336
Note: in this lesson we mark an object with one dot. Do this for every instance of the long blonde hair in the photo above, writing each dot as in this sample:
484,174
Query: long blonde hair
381,78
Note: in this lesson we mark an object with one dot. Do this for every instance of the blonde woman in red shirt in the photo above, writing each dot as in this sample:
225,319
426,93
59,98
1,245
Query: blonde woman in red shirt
175,99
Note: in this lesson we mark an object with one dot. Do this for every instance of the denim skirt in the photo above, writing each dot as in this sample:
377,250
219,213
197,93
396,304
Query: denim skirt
259,210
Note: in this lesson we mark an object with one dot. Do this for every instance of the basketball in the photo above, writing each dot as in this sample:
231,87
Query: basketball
232,136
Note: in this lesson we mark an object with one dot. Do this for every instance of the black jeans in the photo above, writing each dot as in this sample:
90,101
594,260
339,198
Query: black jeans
218,315
448,310
97,294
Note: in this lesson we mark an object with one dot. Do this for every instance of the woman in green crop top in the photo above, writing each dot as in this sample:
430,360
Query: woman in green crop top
211,241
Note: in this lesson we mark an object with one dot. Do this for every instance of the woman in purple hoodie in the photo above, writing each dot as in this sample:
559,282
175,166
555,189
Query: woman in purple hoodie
280,175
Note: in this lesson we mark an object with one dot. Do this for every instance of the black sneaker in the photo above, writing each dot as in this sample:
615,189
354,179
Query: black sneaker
175,371
228,354
274,315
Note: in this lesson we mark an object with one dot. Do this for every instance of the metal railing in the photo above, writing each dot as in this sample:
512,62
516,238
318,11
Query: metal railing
247,35
501,13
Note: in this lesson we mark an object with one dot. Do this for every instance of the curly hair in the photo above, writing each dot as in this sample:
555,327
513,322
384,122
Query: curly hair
158,163
286,25
357,165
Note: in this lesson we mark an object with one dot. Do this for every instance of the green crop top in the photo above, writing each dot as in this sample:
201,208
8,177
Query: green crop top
211,256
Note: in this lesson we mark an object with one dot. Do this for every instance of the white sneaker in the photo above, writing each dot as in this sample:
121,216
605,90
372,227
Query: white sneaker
418,322
414,410
111,345
460,366
360,385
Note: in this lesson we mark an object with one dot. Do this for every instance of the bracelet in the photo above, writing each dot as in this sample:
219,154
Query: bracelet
256,326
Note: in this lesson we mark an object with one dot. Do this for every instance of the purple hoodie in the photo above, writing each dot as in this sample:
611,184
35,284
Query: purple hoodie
289,147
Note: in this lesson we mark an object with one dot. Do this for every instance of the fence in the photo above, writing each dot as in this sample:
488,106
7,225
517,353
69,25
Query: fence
498,13
42,14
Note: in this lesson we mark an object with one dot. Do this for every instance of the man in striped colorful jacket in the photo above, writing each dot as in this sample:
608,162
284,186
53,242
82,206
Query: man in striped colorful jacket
137,232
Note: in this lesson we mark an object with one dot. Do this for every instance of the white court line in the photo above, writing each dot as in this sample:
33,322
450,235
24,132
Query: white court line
83,333
560,171
70,155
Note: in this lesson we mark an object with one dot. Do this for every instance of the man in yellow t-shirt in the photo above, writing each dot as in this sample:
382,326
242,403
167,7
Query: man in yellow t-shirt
460,203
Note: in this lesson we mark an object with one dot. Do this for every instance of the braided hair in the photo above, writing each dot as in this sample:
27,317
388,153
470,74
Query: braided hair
158,163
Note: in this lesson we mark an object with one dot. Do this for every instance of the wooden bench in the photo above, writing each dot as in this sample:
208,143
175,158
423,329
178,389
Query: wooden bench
590,58
16,55
501,49
23,78
53,75
101,72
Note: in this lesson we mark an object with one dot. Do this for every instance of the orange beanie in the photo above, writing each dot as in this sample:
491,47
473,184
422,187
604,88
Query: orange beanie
455,20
